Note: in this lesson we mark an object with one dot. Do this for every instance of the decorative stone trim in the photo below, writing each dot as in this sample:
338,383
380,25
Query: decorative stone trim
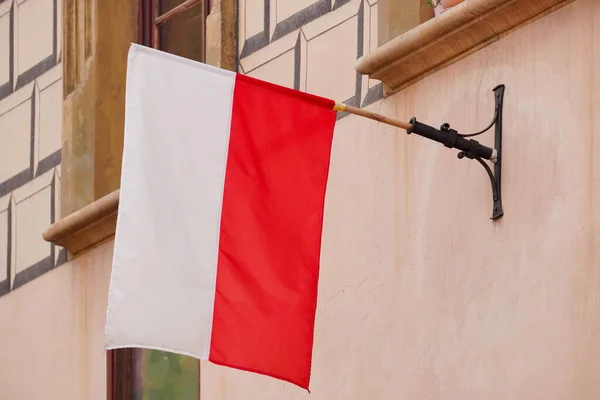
86,227
449,37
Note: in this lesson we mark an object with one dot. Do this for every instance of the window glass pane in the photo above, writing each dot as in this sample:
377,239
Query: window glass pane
166,5
159,375
183,34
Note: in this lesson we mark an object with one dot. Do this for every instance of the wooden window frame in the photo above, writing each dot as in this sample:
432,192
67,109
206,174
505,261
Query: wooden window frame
119,378
149,22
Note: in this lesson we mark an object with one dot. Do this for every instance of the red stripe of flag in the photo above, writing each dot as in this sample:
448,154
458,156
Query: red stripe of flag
270,237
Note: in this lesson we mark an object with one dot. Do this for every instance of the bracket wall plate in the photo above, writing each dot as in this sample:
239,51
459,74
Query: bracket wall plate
472,149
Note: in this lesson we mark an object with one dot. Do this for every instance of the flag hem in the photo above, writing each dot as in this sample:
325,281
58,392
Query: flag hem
134,47
285,91
322,218
159,348
259,372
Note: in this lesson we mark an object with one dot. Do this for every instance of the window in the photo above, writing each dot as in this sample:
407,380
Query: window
175,26
158,375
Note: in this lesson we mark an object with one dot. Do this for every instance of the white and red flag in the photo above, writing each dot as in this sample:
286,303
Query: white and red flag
219,226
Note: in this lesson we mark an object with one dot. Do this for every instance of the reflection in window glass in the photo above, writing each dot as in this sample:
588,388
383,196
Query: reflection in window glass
160,375
183,35
166,5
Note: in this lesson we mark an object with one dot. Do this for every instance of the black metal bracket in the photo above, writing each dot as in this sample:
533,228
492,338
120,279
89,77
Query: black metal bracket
471,148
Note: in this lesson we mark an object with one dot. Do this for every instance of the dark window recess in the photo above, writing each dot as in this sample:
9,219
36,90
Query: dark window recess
175,26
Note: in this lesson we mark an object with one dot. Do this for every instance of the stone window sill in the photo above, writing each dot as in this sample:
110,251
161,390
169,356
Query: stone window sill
86,228
445,39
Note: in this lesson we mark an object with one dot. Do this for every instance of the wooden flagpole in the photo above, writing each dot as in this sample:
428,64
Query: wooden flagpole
368,114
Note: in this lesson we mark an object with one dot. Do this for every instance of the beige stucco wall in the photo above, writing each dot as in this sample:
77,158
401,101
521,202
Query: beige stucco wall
421,296
52,333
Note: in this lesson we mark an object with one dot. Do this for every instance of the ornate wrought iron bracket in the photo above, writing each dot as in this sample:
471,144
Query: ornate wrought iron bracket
472,149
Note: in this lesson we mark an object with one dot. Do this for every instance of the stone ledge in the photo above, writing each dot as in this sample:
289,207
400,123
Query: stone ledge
87,227
449,37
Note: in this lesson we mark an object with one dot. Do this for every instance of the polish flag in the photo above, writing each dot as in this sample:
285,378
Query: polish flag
218,237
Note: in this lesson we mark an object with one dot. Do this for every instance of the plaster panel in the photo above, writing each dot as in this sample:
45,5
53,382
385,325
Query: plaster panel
15,140
254,17
35,32
15,98
50,119
280,70
241,25
33,216
268,53
331,19
59,32
328,76
372,35
3,244
59,258
5,60
285,9
49,77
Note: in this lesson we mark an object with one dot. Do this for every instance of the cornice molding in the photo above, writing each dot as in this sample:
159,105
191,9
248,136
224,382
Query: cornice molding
87,227
449,37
